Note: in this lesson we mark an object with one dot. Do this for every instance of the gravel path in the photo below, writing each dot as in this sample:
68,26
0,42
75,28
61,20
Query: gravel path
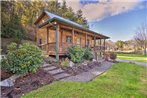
128,61
91,74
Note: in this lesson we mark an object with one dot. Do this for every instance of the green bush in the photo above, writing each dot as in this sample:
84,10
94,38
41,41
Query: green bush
76,54
88,54
113,55
22,59
65,63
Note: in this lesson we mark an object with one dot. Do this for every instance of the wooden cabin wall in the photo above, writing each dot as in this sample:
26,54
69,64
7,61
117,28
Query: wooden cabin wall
42,34
64,34
43,19
52,36
90,39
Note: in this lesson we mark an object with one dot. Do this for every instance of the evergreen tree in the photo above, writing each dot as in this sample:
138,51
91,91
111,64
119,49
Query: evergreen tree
18,15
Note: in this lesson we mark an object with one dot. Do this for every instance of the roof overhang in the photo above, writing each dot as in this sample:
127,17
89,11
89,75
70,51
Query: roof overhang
64,22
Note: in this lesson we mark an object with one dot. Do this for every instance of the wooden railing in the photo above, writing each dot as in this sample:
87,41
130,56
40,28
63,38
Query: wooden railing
51,47
99,48
63,47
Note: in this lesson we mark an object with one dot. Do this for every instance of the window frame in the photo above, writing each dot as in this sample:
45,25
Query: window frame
68,39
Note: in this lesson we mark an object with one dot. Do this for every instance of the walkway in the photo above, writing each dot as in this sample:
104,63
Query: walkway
135,62
91,74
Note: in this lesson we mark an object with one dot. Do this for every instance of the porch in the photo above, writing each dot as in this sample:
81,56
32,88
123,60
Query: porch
50,48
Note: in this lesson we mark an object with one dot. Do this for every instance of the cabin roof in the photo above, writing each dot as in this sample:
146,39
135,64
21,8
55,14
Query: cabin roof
51,15
54,17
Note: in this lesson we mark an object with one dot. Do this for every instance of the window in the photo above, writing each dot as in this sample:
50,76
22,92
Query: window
78,41
68,39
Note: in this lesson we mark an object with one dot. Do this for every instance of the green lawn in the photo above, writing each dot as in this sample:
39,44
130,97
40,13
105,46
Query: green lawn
134,57
122,80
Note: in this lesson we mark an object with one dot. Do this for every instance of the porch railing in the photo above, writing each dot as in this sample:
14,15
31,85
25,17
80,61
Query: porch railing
63,47
99,48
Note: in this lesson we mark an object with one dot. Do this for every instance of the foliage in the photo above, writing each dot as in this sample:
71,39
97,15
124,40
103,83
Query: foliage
121,77
22,59
88,54
11,23
65,63
110,55
76,54
113,55
120,44
141,37
18,15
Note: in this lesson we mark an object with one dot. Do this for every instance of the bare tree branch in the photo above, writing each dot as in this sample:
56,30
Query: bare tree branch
141,37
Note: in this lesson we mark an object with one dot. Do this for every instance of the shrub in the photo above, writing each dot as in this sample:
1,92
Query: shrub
65,63
113,56
88,54
76,54
22,59
107,56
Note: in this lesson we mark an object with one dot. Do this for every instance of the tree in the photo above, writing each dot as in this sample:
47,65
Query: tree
141,37
120,44
26,12
11,22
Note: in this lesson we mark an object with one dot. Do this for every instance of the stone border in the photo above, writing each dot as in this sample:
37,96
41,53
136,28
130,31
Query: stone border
91,74
9,82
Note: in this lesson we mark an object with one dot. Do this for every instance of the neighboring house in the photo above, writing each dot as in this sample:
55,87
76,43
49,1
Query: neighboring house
56,34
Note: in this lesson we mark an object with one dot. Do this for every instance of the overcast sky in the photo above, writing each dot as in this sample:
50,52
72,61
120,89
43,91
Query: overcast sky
117,19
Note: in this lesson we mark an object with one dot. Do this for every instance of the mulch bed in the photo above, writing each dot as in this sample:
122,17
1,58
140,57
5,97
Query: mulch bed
5,74
27,83
82,68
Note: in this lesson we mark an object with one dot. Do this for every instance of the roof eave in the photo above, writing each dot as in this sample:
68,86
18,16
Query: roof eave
85,29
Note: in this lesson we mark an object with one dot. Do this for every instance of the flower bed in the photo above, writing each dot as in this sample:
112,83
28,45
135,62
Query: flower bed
80,67
27,83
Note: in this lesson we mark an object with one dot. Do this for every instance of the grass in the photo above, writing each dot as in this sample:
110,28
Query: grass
134,57
122,80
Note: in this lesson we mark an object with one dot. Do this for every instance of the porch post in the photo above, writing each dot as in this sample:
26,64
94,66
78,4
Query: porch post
47,39
73,37
100,47
57,43
86,41
94,41
104,46
94,48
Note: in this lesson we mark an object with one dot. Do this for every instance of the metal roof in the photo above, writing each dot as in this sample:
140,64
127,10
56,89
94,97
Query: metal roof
51,15
54,17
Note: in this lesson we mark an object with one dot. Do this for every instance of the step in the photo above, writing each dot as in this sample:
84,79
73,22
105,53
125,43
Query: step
50,68
61,76
46,65
56,71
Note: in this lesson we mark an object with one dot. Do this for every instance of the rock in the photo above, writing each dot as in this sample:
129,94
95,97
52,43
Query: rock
7,83
50,60
71,64
14,77
84,63
94,60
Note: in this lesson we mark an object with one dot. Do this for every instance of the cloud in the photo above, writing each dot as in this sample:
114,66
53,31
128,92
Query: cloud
103,8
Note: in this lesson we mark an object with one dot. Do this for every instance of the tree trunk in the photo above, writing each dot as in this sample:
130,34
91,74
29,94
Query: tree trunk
145,50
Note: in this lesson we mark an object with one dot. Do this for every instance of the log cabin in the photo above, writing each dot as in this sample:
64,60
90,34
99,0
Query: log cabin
55,34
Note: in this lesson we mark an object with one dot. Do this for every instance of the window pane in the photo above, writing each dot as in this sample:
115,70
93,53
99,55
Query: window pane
68,39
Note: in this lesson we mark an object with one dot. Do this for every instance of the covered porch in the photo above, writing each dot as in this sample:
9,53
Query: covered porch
59,37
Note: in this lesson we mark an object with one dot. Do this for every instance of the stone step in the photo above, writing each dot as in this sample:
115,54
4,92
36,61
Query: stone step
50,68
46,65
56,71
61,76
